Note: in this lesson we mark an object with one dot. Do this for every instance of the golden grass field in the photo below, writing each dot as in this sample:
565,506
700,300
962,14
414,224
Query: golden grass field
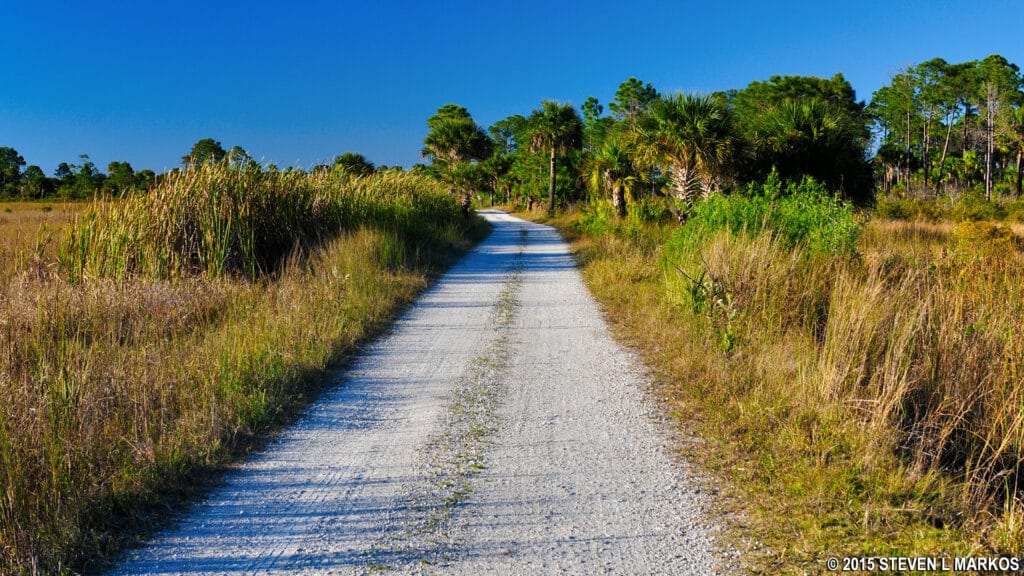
123,388
857,405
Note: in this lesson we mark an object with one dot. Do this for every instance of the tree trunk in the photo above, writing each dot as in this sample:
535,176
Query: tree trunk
1020,152
990,136
551,185
906,174
619,201
683,184
925,145
945,148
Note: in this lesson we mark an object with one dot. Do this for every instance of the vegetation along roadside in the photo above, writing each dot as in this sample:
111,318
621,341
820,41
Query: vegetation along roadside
830,290
156,337
856,382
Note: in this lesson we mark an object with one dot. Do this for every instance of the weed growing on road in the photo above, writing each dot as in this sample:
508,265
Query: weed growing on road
457,452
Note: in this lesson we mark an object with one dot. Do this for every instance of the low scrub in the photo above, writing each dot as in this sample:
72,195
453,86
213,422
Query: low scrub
178,328
800,213
964,207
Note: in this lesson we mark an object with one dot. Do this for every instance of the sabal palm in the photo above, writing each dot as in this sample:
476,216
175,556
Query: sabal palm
807,137
555,127
610,168
454,140
691,135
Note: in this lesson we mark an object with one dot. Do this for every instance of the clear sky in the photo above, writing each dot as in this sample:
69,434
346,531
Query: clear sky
297,83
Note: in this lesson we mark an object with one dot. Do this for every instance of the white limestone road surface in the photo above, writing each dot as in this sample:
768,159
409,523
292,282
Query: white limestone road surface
496,429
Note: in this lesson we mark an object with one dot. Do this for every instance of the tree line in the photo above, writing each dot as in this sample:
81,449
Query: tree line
944,125
934,127
83,179
677,146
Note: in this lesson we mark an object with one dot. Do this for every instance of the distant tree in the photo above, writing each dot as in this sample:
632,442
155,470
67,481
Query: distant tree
120,177
794,124
894,111
64,171
88,179
10,168
815,138
610,168
453,141
239,159
555,127
203,151
1016,131
968,107
760,96
632,99
354,163
592,110
508,134
144,179
36,182
454,137
999,85
507,141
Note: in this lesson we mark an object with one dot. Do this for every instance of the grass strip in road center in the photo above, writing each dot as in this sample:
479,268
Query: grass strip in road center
457,451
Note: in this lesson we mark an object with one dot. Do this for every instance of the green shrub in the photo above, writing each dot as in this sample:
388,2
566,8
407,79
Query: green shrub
910,209
596,219
648,210
974,206
800,213
1015,210
896,208
984,238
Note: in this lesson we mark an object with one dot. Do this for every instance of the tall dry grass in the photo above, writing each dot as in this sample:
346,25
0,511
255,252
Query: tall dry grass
862,404
219,220
174,329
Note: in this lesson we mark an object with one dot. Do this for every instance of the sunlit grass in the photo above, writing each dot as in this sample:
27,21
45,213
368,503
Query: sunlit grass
866,404
149,356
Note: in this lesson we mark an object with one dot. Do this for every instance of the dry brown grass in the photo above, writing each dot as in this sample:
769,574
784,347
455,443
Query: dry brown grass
28,227
119,393
866,405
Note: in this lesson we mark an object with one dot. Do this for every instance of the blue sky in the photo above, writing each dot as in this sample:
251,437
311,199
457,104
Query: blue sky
298,83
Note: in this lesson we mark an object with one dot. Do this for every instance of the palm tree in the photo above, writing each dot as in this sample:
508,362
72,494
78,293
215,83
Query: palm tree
692,136
354,163
812,137
454,143
455,140
555,127
611,168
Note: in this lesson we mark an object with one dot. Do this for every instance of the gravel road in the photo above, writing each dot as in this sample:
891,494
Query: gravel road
497,429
